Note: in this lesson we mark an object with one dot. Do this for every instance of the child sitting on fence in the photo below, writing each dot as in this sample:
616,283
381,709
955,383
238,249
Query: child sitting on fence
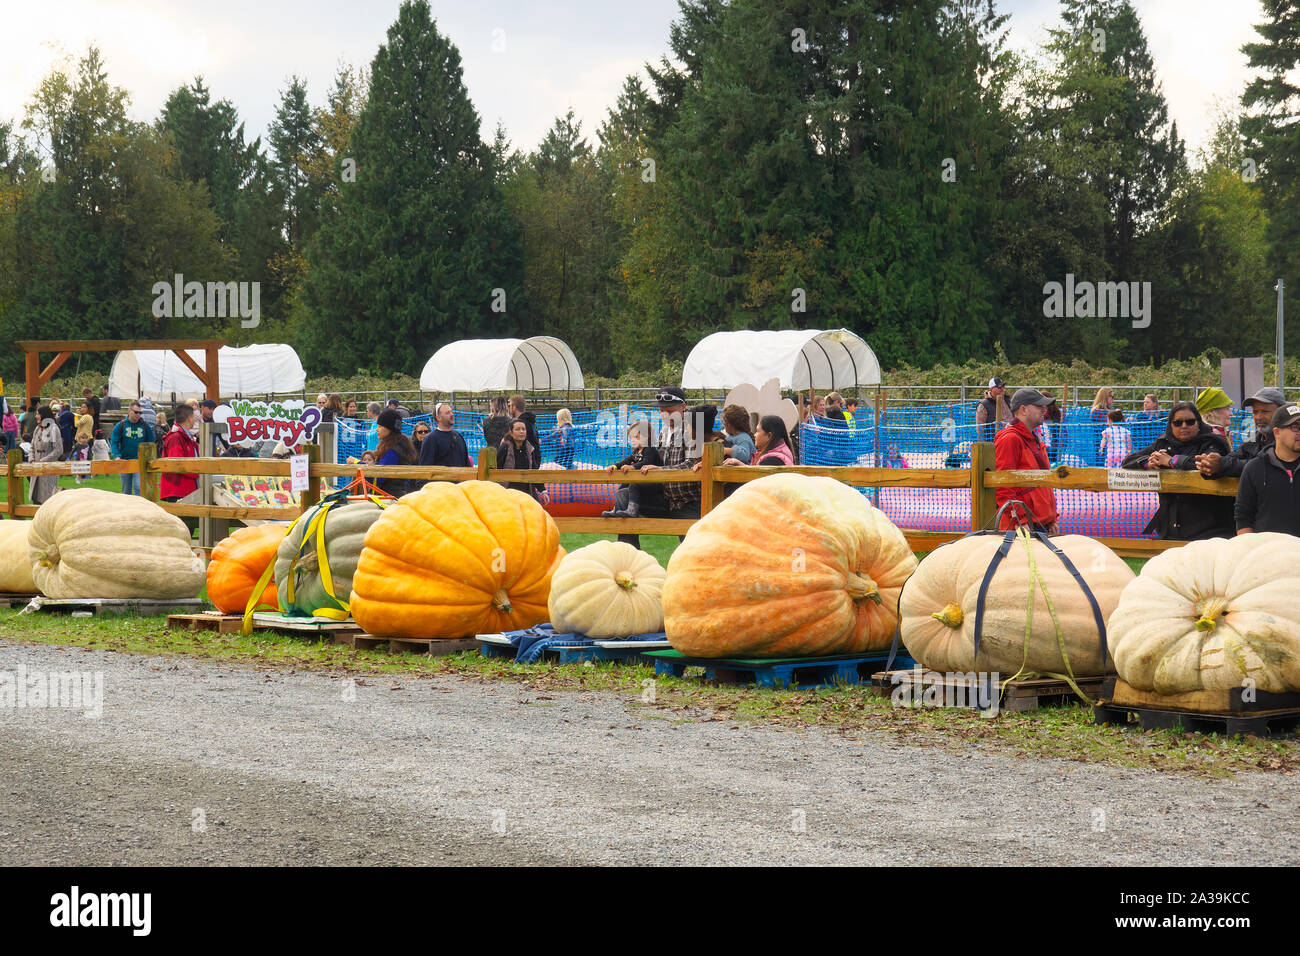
1116,441
627,500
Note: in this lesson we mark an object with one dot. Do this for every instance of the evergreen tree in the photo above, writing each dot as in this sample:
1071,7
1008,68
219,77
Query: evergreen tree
1273,133
412,255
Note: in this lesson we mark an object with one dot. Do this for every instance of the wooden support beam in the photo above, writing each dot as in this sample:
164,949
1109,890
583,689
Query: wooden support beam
213,378
1096,479
983,497
311,497
13,483
711,489
487,459
192,365
150,483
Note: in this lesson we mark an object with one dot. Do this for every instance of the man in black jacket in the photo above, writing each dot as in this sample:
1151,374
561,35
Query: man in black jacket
519,409
1268,495
1262,405
444,446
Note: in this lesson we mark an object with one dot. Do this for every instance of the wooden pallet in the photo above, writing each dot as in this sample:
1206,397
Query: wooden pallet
436,647
220,623
1229,712
959,690
113,606
576,654
806,672
12,599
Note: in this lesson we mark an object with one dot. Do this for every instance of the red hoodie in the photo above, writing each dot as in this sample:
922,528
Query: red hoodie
1017,448
178,443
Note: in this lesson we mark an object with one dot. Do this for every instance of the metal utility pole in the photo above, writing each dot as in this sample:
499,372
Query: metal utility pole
1280,371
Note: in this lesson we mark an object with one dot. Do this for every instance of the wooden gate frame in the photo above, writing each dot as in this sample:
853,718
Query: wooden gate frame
36,378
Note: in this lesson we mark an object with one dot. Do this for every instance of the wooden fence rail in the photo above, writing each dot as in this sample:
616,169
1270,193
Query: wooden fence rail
712,476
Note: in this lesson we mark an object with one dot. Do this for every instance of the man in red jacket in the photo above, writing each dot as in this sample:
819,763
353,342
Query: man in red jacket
1018,448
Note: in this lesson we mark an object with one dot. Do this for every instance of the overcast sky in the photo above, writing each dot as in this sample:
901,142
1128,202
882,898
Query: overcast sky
556,55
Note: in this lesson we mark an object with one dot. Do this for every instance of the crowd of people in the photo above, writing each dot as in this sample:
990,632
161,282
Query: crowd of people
1196,438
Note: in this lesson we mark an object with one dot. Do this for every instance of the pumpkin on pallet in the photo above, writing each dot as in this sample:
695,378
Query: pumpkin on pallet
1013,595
15,562
454,560
608,589
788,566
317,558
1213,615
90,543
237,565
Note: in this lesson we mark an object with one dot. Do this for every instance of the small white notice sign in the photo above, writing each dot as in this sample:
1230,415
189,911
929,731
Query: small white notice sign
1121,479
80,467
297,472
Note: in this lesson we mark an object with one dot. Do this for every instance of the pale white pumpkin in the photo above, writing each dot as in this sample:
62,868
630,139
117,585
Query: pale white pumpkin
89,543
607,589
938,604
1211,615
15,563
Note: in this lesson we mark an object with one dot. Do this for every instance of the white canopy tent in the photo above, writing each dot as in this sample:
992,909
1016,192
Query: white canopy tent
252,370
799,359
541,363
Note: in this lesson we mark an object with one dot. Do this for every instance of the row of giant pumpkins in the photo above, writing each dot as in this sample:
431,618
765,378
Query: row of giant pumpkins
787,566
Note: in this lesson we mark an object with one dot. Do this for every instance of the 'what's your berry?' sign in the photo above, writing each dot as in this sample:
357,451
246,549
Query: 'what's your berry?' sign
291,422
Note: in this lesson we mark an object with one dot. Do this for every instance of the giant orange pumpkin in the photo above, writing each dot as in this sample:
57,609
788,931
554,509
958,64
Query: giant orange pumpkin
238,562
452,560
788,566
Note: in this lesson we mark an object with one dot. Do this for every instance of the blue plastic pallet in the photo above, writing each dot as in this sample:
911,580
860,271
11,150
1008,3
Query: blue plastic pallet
565,655
806,672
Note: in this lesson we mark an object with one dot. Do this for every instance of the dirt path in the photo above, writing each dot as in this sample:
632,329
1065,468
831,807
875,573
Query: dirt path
285,769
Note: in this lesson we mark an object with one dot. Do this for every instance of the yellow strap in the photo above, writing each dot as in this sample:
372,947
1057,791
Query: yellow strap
247,627
313,526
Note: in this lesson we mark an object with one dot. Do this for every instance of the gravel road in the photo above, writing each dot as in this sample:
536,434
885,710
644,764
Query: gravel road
198,763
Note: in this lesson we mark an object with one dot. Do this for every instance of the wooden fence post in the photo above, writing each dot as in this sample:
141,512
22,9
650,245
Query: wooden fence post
711,490
311,497
983,501
15,484
487,460
150,481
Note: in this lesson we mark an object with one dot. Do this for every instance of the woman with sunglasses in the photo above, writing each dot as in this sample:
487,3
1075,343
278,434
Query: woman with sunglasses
1185,517
419,434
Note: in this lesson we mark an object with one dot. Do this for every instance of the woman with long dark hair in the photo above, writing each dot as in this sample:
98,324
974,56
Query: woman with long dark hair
517,452
772,442
394,448
1185,517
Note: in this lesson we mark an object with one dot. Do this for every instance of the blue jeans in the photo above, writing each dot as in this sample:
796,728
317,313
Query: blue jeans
130,484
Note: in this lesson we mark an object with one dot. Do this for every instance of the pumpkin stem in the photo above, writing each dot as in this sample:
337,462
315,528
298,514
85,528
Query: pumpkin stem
861,587
1210,611
624,580
501,601
950,616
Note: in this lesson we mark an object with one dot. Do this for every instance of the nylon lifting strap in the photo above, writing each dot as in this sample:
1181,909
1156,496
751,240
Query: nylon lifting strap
1001,553
259,589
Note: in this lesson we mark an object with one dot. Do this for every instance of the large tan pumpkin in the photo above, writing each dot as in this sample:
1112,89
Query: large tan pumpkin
89,543
15,562
452,560
939,603
788,566
607,589
1212,614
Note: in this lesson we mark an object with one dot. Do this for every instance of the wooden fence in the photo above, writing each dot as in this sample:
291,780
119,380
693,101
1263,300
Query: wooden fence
713,477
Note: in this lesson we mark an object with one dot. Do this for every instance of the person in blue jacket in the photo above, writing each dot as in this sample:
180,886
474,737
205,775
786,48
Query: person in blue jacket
128,435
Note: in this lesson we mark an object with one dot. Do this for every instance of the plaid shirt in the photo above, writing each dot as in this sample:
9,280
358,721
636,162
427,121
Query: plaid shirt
673,454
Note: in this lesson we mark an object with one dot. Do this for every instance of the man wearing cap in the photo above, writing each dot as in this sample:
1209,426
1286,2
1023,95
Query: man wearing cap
1268,494
681,499
1018,448
398,407
219,444
1262,405
986,412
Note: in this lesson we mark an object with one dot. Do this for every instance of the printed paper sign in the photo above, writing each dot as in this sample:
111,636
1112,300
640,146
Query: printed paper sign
1120,479
297,472
80,467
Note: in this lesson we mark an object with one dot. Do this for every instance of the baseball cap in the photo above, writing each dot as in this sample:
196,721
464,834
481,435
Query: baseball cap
393,403
671,395
207,403
1269,396
1285,415
995,382
1029,396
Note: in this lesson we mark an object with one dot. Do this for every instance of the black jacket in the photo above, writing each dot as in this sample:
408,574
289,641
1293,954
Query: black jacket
1183,516
495,429
534,461
1232,465
455,455
1268,495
